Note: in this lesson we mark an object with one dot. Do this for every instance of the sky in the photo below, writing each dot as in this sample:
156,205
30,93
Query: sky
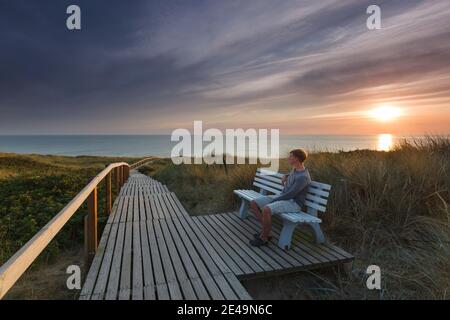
304,67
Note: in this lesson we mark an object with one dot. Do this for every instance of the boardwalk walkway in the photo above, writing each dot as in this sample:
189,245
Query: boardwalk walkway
151,248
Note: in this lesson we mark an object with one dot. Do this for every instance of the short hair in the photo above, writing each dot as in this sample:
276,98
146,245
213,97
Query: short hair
300,154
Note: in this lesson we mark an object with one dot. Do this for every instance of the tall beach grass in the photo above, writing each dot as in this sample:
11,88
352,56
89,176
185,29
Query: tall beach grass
387,208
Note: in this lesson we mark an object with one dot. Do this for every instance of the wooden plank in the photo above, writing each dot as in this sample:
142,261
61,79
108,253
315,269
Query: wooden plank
138,283
211,286
171,278
185,255
274,185
318,192
142,209
258,264
254,227
316,199
320,185
93,272
175,256
248,195
245,237
277,180
149,282
199,238
185,284
315,206
115,269
301,255
278,255
313,256
264,187
217,252
237,287
104,271
339,253
270,173
114,275
232,250
162,289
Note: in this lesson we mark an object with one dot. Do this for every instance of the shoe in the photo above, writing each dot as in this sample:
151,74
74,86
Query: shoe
257,235
258,242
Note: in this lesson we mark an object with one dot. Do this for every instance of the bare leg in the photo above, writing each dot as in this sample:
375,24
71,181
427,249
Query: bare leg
267,224
256,210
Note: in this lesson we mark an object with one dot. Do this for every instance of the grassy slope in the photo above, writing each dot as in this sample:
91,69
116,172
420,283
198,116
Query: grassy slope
33,188
389,209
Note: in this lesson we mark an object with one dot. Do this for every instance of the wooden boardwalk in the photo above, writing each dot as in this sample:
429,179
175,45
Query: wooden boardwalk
151,248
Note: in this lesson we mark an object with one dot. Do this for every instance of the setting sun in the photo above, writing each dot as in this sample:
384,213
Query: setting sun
385,113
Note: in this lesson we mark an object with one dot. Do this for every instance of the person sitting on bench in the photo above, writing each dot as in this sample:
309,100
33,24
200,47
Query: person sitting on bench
289,200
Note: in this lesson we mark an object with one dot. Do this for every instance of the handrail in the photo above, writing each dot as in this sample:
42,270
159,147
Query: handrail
141,162
11,271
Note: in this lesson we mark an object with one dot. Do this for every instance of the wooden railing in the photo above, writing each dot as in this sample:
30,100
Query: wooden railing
11,271
141,163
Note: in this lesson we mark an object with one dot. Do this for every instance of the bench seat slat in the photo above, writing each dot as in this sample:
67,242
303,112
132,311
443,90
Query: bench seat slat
318,192
316,199
268,177
248,195
264,187
320,185
278,186
315,206
270,173
297,217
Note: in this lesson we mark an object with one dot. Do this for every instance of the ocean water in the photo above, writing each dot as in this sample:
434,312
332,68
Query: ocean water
161,145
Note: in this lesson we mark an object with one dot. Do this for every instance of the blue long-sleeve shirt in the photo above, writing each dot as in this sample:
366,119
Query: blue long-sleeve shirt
295,187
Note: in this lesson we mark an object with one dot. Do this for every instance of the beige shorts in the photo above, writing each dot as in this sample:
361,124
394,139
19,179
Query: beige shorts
277,207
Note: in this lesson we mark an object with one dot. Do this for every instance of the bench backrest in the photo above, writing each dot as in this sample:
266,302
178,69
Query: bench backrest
317,194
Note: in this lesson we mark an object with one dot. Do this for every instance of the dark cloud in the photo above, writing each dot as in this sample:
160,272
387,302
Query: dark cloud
133,58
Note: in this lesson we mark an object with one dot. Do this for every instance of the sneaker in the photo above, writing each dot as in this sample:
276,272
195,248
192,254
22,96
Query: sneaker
257,235
258,242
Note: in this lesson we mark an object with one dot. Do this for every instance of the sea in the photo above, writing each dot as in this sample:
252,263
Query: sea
161,145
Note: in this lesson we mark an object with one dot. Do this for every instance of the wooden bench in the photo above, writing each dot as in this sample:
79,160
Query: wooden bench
269,182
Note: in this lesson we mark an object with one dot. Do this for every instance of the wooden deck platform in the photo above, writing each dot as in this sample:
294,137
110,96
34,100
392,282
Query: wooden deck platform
151,248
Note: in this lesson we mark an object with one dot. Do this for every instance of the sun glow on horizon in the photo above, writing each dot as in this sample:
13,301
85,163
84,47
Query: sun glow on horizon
385,113
385,142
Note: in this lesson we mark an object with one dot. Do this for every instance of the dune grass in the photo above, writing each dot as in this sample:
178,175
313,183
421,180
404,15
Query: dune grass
387,208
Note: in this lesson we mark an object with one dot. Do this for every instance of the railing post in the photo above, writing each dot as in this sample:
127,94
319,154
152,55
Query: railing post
121,176
116,176
108,197
91,237
127,172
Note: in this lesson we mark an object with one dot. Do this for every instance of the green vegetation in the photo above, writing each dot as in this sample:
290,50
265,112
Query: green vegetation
387,208
34,188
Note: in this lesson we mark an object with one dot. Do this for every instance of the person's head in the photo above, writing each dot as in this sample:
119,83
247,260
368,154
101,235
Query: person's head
297,157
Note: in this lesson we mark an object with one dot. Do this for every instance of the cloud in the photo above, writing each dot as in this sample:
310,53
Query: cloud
176,59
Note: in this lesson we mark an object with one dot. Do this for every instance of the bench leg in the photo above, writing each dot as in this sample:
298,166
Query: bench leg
286,234
317,232
243,210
